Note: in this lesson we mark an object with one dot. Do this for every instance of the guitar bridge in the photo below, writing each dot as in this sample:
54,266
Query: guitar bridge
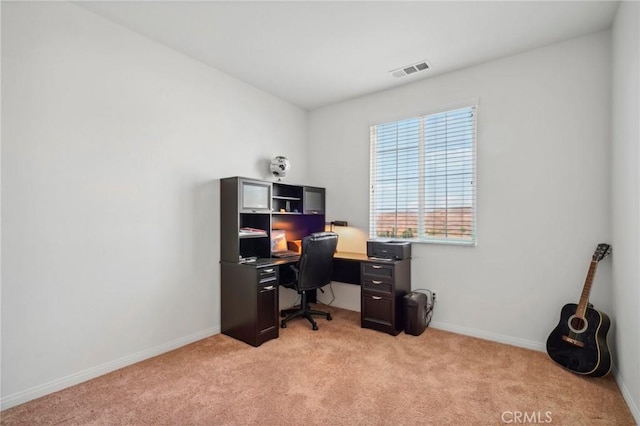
573,341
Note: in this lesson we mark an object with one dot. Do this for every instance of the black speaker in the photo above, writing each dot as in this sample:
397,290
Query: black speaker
417,313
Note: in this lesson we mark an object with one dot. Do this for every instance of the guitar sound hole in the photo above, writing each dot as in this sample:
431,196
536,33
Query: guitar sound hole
576,324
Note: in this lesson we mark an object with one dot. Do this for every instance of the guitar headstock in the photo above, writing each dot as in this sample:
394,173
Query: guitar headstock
602,251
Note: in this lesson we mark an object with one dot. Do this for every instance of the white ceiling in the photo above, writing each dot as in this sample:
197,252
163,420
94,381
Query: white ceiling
317,53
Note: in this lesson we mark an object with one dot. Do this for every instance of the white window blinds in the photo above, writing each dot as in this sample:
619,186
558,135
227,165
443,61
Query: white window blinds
422,176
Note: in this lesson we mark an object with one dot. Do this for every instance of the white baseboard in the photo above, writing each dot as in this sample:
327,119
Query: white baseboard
635,412
91,373
522,343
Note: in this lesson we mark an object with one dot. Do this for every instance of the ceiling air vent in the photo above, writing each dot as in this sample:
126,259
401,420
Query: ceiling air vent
410,69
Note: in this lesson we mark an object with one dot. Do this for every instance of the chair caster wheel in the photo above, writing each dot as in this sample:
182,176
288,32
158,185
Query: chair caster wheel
282,315
315,326
283,324
329,318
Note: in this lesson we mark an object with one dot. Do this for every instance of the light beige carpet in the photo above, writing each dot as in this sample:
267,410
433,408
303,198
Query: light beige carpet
339,375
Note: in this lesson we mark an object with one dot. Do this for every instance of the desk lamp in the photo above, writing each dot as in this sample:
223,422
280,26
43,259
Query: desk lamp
338,223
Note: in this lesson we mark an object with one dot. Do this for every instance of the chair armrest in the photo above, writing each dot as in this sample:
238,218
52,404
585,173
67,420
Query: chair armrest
296,271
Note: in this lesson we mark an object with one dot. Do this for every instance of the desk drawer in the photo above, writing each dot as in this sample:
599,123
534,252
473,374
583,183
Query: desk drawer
267,275
377,285
377,312
379,270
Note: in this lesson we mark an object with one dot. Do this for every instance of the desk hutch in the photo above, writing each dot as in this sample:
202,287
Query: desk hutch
249,210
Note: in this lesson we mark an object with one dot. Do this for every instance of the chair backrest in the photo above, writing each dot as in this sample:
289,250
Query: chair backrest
316,260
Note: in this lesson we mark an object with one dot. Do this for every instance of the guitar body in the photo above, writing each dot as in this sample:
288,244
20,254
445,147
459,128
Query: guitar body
580,344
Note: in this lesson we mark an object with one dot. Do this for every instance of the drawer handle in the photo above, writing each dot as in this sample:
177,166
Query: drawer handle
376,266
376,297
268,288
376,282
267,271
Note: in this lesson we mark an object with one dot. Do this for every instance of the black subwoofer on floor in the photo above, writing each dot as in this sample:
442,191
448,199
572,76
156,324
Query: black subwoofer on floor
417,312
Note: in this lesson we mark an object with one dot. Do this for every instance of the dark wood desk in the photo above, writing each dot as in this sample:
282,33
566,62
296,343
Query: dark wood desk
347,267
250,294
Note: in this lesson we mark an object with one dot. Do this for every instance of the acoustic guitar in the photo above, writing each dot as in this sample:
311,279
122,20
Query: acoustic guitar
579,341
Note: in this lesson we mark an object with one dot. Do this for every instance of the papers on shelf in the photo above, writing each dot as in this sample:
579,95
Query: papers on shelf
252,231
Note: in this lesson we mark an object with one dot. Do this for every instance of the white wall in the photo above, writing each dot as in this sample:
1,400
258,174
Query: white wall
625,197
543,186
112,147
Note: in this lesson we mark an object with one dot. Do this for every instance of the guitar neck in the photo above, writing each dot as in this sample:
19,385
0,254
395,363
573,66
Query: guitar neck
586,290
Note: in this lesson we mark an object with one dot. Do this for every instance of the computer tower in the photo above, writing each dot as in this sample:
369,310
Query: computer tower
417,313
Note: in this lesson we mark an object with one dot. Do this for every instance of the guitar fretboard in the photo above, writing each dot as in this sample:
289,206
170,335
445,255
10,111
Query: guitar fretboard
584,297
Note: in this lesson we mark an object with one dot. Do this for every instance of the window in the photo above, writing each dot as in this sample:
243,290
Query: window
423,178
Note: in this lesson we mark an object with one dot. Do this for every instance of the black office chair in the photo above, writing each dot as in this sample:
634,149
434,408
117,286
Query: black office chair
312,271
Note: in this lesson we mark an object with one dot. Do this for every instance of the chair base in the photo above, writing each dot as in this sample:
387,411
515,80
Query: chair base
302,310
